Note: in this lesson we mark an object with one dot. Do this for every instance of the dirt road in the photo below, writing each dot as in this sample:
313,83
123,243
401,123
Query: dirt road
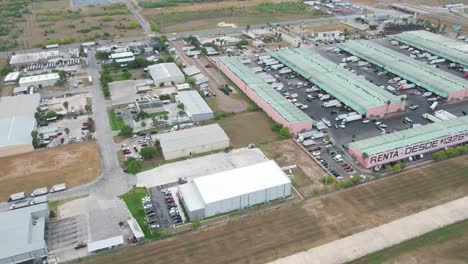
287,230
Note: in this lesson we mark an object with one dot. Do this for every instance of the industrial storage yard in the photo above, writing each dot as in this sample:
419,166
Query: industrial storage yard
252,138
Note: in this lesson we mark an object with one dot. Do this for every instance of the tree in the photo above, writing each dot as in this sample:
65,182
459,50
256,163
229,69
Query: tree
284,133
34,138
102,55
51,114
142,115
88,108
143,124
65,104
67,130
191,81
147,153
247,28
181,106
133,165
126,131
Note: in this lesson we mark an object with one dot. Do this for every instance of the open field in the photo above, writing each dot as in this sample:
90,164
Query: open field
207,15
287,230
445,245
247,128
73,164
58,22
287,153
307,30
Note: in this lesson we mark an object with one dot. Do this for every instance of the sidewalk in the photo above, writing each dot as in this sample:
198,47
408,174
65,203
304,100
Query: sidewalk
361,244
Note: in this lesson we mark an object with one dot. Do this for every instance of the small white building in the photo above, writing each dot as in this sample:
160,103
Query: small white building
166,74
11,77
195,107
328,35
188,142
122,57
39,81
234,190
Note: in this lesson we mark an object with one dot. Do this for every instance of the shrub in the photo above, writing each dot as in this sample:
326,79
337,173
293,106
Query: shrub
284,133
133,165
126,131
147,153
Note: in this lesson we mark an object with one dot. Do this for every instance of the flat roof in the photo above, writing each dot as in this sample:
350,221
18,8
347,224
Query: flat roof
105,243
286,109
12,76
33,57
233,183
17,119
441,46
194,103
419,73
352,90
192,198
191,137
164,70
191,70
25,235
411,136
121,55
38,78
136,229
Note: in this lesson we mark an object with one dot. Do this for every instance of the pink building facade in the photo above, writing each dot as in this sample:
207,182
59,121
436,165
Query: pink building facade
269,110
386,109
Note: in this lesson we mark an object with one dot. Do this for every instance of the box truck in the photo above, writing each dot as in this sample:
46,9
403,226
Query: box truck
39,200
39,191
19,205
434,105
437,61
350,118
331,103
16,197
431,118
58,187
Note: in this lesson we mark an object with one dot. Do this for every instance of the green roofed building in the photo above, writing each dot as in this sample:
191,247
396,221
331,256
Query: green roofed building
450,49
410,142
437,81
362,96
263,94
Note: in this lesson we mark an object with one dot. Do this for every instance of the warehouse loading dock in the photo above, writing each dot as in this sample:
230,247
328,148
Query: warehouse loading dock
443,47
263,94
439,82
360,95
410,142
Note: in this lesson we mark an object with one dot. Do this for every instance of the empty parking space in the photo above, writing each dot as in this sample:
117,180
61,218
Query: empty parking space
66,233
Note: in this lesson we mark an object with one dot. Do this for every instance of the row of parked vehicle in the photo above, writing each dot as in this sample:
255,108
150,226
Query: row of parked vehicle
39,196
172,207
150,213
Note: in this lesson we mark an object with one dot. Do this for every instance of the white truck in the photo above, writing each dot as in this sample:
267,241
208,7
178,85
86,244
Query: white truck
285,71
19,205
326,122
331,103
308,143
58,187
264,57
325,97
444,115
39,200
271,62
431,117
16,197
90,79
50,46
39,191
89,44
434,105
277,66
437,61
362,63
402,47
394,43
350,59
350,118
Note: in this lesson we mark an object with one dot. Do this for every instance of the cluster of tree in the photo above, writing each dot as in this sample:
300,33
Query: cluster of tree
126,131
450,152
163,97
347,183
133,165
395,168
194,42
283,132
328,180
242,43
161,43
148,153
139,63
102,55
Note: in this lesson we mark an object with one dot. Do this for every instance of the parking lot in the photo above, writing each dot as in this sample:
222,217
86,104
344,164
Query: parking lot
165,208
66,233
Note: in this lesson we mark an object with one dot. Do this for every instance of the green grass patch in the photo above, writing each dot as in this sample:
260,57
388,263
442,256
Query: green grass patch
133,201
158,114
438,236
116,122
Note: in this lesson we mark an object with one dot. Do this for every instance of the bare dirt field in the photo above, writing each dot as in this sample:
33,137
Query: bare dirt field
71,164
307,176
57,20
328,27
287,230
247,128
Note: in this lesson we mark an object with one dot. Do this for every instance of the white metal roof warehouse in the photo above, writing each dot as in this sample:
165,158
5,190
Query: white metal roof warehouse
235,189
166,73
42,80
195,107
16,123
184,143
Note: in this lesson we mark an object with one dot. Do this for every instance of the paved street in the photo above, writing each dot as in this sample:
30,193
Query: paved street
361,244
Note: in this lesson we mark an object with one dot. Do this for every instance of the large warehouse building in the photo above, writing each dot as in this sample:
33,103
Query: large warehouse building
234,190
195,107
23,233
437,81
187,142
362,96
18,60
16,123
450,49
166,74
39,81
270,100
410,142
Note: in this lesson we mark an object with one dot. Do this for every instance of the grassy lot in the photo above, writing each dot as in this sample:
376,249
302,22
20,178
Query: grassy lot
133,201
287,230
444,245
246,128
207,15
73,164
116,122
27,24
